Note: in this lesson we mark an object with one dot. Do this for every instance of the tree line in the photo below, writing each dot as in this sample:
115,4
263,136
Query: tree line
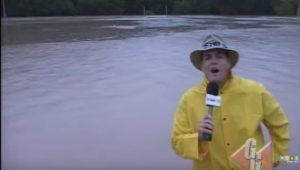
24,8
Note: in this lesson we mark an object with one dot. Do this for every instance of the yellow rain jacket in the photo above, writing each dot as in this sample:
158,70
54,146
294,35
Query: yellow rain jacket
244,105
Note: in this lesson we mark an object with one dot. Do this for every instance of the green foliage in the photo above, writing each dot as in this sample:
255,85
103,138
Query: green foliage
39,7
100,7
158,7
285,7
183,7
133,7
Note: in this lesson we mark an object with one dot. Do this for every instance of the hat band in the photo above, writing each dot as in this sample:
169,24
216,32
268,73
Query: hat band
214,43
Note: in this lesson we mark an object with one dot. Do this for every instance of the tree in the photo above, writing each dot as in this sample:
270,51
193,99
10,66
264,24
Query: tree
100,7
183,7
285,7
3,9
298,11
40,7
138,7
132,7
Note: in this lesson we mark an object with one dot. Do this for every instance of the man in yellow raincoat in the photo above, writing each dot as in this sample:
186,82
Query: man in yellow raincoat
245,104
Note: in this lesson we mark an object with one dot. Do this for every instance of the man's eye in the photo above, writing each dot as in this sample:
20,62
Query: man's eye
206,57
220,56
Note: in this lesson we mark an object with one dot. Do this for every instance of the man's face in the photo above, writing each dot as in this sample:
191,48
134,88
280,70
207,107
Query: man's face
215,65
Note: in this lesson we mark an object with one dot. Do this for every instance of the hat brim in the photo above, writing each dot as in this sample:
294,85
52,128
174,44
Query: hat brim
196,57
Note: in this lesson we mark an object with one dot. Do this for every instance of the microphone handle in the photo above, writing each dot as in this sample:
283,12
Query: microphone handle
206,136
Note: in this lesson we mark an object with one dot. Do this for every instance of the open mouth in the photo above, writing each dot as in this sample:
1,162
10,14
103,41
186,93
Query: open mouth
214,70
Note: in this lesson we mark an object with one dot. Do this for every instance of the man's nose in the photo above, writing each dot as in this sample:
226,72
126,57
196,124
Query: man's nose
214,59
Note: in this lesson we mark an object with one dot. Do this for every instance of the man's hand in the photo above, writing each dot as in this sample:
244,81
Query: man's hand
206,125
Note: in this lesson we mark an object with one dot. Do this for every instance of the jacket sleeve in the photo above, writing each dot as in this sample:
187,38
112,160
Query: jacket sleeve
277,123
184,140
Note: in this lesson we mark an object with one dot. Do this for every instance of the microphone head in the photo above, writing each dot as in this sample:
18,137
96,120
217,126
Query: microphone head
212,88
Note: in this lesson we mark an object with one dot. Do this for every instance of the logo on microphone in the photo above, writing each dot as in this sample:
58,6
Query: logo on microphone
212,100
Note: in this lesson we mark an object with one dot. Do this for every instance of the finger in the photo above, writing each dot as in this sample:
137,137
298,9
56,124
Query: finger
209,131
207,126
208,116
207,121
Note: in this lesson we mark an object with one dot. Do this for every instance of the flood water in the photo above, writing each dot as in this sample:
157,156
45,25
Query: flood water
99,93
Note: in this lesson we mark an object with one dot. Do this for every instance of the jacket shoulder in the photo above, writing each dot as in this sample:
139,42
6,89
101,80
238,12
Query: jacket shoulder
193,91
250,85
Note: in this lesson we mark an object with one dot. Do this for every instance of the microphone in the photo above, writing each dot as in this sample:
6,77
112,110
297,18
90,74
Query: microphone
212,99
